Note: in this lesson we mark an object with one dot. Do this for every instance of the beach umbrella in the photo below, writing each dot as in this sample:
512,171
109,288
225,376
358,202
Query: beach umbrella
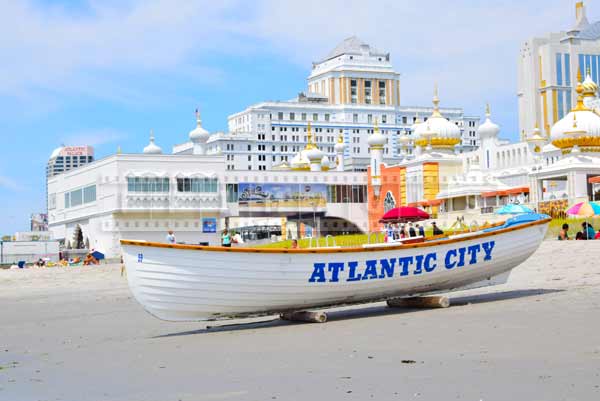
584,209
404,214
514,209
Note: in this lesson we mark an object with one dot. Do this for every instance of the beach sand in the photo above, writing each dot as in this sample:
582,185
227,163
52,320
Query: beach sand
76,334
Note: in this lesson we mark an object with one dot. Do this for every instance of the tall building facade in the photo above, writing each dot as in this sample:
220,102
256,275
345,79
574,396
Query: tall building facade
350,91
66,158
548,68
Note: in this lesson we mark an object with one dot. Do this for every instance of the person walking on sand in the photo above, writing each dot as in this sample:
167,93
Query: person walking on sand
170,237
226,239
563,235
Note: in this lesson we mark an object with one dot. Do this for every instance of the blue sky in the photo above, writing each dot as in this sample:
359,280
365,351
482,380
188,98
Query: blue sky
105,72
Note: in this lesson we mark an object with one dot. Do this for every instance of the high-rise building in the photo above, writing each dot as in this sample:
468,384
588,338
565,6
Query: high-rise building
350,91
66,158
548,68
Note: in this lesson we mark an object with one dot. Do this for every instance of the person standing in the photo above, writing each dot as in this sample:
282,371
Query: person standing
421,230
411,230
170,237
226,239
436,229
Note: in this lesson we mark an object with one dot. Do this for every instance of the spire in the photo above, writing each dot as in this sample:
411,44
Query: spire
581,21
340,139
487,110
198,119
436,102
310,144
119,150
151,135
580,90
376,126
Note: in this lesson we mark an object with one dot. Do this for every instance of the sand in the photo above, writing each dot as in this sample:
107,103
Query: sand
76,334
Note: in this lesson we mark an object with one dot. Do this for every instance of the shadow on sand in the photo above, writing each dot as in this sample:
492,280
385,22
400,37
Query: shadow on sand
357,312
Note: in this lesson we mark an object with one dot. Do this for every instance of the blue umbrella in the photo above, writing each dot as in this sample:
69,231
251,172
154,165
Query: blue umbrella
514,209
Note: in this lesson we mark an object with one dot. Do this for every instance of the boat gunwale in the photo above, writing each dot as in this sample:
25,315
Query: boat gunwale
354,249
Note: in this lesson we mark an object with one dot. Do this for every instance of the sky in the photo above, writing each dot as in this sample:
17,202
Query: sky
103,73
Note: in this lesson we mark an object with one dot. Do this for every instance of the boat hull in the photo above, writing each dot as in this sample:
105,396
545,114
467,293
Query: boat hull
193,283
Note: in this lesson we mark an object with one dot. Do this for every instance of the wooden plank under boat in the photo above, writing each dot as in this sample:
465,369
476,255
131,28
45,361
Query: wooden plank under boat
189,283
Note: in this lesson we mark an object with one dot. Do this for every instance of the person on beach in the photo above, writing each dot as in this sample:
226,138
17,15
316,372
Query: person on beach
170,237
436,229
226,239
421,230
563,235
588,231
579,236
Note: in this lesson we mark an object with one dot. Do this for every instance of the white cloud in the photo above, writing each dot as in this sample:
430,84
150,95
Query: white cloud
102,49
11,184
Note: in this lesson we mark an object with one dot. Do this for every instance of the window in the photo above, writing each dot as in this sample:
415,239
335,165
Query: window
389,202
370,118
354,118
381,92
249,148
353,91
80,196
292,116
203,184
280,116
51,201
326,117
368,92
404,120
249,158
315,116
303,116
384,119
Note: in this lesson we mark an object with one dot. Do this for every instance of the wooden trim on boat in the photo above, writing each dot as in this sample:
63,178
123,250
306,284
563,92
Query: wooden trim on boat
333,250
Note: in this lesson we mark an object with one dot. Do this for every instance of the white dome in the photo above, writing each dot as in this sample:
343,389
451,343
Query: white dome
300,161
152,148
376,139
199,134
585,120
314,155
440,126
325,161
437,128
488,129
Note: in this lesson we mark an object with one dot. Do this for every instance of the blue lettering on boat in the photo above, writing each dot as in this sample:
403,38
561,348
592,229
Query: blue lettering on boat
381,269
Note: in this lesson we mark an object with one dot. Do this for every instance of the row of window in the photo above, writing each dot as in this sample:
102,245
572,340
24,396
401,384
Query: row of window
162,184
80,196
335,193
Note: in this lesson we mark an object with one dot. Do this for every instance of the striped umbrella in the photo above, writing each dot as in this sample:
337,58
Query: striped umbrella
584,209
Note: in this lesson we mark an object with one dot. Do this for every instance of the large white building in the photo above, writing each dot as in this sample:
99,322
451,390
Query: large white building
547,72
351,90
141,196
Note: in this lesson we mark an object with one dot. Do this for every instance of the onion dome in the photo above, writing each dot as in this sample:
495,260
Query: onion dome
199,134
300,161
581,127
589,86
438,132
488,129
152,148
325,165
339,146
404,140
376,140
314,155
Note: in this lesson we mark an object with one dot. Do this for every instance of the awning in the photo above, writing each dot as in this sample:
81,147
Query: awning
432,202
518,190
494,193
594,180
